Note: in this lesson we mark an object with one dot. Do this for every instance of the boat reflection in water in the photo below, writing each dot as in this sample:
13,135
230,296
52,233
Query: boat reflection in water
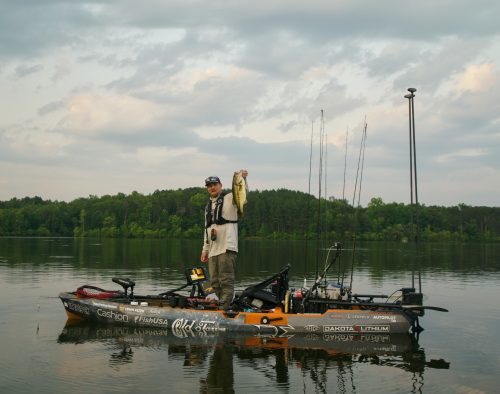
314,354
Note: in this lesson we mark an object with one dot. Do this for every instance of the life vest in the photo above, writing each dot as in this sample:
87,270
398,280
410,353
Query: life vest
216,217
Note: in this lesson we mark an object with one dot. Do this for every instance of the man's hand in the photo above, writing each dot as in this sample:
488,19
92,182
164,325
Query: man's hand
204,256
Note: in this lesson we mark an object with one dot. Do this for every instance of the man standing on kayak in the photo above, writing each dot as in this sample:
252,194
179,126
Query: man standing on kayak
220,243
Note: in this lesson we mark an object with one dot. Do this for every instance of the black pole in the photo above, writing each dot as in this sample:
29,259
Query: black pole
410,139
409,97
413,155
412,91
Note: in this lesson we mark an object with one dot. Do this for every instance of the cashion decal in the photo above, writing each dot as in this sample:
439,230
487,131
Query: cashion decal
112,315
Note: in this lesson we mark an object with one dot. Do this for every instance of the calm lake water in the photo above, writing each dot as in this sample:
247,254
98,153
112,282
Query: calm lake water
458,351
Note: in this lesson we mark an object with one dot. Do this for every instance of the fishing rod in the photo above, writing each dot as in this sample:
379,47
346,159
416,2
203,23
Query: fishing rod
308,204
362,164
342,267
310,156
322,222
363,136
345,162
325,178
320,181
356,193
363,144
326,205
319,278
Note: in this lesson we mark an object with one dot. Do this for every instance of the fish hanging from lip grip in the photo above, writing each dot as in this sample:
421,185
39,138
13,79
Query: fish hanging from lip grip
240,188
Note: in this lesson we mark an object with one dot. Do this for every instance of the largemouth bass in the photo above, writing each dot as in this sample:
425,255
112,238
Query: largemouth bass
239,192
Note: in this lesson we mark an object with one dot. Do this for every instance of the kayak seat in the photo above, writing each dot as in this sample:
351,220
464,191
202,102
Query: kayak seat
267,294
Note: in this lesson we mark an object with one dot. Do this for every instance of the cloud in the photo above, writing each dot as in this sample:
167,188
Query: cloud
131,96
23,70
477,78
108,113
32,145
51,107
29,28
440,62
462,153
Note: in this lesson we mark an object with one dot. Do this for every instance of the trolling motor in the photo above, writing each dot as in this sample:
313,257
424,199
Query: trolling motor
126,283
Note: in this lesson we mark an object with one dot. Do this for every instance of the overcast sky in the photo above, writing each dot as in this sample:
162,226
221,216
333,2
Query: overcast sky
100,97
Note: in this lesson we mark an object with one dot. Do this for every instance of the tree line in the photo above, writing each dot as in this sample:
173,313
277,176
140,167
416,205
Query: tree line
269,214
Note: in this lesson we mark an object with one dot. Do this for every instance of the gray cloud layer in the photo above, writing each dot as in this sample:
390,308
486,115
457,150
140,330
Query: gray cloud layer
159,93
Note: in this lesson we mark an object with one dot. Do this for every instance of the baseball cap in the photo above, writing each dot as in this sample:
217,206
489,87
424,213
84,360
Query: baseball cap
212,179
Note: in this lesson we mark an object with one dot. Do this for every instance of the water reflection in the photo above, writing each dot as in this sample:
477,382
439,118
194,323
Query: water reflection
275,360
256,257
220,376
124,356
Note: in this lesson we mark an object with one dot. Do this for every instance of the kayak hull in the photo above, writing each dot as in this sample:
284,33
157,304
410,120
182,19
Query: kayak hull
274,322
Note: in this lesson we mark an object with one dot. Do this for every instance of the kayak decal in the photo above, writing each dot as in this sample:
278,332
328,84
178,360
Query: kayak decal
124,309
286,331
182,328
361,328
102,305
392,318
112,315
77,308
153,320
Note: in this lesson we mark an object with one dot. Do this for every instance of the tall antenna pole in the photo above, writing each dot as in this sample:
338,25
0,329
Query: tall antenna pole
410,139
409,97
412,91
413,178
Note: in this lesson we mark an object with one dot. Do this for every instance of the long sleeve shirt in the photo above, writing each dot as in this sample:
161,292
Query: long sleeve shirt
227,234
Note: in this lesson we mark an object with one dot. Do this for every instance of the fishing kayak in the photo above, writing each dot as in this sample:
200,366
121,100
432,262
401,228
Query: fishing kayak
268,308
154,313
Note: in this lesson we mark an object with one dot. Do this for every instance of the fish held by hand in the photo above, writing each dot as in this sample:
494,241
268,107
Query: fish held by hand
240,190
